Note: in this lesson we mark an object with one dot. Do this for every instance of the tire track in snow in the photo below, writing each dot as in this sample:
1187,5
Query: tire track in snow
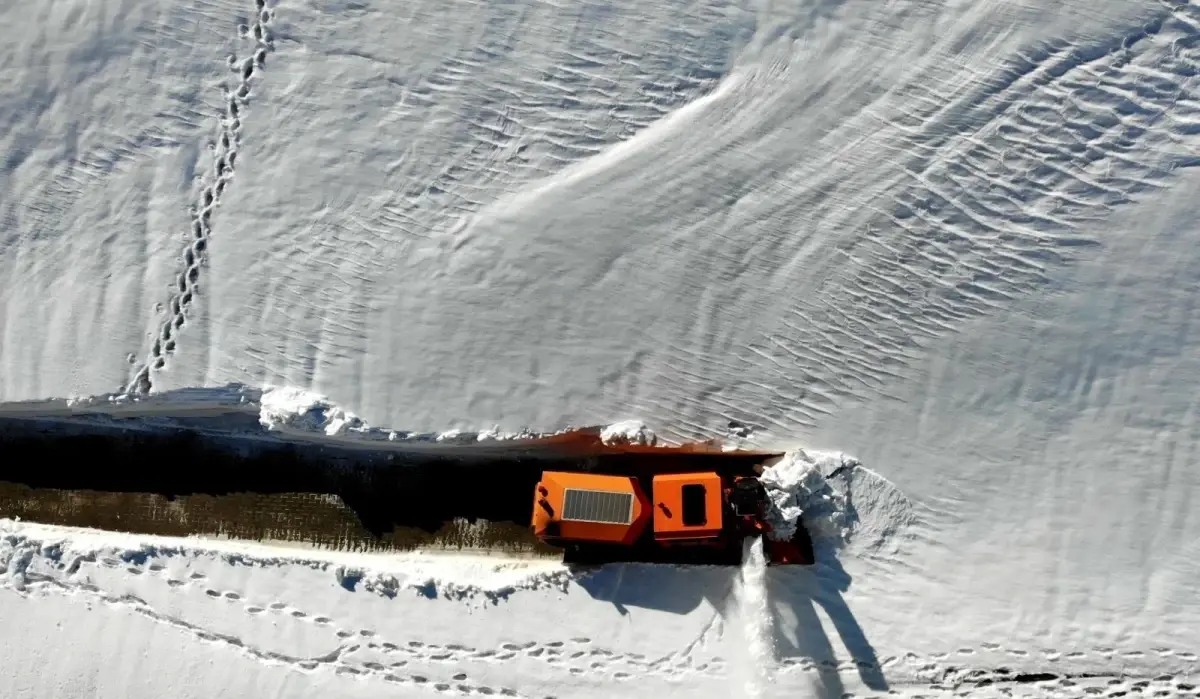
1003,185
213,186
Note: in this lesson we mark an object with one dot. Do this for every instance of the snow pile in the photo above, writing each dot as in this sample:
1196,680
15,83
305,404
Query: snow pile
628,432
494,434
450,436
15,559
297,409
836,498
798,486
78,402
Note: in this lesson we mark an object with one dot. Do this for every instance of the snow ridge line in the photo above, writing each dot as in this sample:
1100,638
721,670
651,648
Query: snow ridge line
213,186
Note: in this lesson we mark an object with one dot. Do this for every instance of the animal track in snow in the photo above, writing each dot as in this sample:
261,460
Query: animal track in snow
335,660
29,567
212,187
450,655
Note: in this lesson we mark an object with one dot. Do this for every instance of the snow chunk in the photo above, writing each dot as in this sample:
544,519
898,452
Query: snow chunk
449,436
837,499
797,486
297,409
628,432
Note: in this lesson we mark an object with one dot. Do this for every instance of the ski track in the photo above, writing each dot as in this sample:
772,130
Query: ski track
212,188
1004,183
32,568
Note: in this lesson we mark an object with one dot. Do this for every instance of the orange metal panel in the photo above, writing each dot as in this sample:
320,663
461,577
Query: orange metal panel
549,501
668,493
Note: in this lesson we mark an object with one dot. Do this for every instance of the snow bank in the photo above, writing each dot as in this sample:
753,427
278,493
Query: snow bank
299,412
290,409
628,432
31,552
232,397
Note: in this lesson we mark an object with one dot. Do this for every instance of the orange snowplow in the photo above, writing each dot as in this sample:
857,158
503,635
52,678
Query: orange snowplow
697,517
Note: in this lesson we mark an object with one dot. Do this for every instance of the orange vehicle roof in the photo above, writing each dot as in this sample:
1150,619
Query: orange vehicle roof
589,507
672,505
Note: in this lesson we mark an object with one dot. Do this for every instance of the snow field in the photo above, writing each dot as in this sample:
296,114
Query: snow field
953,239
284,614
508,109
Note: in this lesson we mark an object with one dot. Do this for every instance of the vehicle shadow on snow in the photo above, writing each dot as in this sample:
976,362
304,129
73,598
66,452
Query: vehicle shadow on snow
798,597
667,588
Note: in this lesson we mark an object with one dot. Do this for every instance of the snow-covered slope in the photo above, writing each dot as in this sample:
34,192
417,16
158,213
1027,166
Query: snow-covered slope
953,239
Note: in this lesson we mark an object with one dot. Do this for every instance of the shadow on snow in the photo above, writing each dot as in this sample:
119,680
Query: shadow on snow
799,597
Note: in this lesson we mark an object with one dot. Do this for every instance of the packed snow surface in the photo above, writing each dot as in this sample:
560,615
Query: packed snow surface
954,239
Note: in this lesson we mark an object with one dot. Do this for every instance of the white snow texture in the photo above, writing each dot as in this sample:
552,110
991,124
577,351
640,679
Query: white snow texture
954,239
628,432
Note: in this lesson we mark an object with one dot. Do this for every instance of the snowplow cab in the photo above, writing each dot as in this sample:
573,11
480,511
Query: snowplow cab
587,507
687,506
